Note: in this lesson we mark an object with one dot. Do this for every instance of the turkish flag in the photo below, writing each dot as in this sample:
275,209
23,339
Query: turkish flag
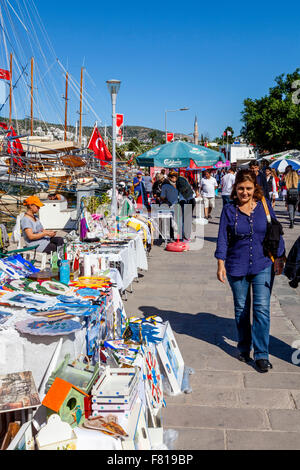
170,137
14,147
4,74
98,146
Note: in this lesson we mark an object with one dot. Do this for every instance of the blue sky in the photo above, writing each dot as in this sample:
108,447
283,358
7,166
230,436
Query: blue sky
207,56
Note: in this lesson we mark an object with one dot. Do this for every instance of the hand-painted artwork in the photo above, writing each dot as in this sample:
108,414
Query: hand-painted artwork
68,299
77,309
44,327
4,315
88,293
55,288
171,359
18,391
17,267
28,300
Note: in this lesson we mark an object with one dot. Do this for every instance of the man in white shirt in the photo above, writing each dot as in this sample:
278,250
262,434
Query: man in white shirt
227,183
208,190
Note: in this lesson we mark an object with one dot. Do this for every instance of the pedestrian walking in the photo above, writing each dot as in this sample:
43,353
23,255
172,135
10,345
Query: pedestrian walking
188,203
271,182
208,190
292,197
242,258
227,183
260,177
140,191
156,188
170,195
148,184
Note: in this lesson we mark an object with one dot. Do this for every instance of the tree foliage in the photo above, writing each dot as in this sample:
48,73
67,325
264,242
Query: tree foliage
272,122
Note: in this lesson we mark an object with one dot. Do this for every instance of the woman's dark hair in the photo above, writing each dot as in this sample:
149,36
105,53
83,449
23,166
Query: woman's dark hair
247,175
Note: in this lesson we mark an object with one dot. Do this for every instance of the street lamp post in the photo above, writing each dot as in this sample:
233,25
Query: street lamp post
171,111
113,88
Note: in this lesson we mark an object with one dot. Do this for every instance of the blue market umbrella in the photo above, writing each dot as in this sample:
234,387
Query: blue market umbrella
281,164
179,155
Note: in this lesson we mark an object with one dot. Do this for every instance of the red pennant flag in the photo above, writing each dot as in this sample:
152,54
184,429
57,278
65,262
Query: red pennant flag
98,146
170,137
120,119
4,74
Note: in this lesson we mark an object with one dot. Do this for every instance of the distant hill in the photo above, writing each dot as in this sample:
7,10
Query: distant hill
130,132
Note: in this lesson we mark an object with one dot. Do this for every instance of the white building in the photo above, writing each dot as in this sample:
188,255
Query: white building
239,153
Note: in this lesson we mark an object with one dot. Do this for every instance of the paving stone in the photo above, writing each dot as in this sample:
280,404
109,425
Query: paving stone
200,439
285,420
262,440
296,397
282,326
214,417
279,399
272,380
226,362
206,396
223,379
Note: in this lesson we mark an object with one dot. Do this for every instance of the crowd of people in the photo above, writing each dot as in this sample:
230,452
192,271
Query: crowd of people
250,248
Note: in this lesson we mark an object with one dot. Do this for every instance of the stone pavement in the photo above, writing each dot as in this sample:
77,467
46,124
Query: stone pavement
232,406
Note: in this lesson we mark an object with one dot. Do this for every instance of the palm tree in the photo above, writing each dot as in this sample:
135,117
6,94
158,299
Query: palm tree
153,136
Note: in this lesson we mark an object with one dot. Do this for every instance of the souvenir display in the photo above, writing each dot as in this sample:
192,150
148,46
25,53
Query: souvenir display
115,391
108,371
18,392
56,435
54,287
107,425
138,435
17,267
67,401
153,379
171,359
79,373
47,327
4,315
27,300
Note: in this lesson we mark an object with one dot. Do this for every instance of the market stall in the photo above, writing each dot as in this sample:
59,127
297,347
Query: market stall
75,371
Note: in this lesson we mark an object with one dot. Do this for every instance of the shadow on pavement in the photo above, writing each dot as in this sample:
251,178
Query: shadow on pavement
214,330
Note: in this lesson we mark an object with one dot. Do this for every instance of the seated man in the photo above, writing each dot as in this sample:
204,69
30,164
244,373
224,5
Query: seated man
33,231
56,197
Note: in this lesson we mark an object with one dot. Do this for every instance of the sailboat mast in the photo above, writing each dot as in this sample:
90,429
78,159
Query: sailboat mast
66,108
32,63
10,91
80,112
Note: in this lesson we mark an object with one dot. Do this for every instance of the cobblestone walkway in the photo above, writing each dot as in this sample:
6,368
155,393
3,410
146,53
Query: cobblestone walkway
232,406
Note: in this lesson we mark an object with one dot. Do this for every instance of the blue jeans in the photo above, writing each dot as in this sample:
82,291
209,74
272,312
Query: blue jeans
226,200
257,336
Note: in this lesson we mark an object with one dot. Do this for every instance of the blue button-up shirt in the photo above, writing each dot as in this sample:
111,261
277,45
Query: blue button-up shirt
170,193
240,240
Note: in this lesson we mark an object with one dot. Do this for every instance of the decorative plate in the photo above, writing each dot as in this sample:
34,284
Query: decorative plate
28,300
88,292
42,327
55,287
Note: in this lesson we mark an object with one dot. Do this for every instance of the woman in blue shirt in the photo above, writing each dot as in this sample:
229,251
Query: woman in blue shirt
241,259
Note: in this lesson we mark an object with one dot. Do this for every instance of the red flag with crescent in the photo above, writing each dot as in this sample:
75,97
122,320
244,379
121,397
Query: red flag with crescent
14,147
98,146
170,137
4,74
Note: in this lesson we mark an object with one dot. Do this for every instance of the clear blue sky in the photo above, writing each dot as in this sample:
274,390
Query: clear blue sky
208,56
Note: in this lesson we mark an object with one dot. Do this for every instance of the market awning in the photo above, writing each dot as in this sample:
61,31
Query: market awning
179,155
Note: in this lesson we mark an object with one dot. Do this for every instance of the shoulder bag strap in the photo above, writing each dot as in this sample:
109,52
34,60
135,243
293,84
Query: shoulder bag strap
264,202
